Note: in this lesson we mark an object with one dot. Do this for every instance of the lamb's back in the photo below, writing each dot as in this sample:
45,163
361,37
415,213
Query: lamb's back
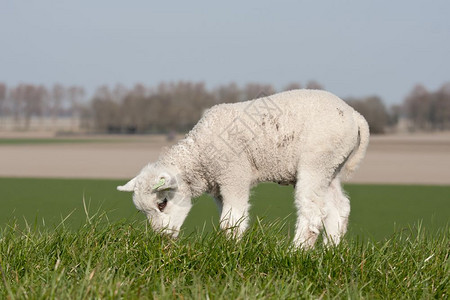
271,132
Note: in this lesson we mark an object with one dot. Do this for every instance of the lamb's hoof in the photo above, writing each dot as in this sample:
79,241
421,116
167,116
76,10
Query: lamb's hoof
306,244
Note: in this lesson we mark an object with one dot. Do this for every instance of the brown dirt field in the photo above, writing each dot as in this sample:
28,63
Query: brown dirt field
407,159
414,159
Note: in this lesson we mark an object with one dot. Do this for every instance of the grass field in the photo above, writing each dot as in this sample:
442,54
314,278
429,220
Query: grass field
377,210
385,255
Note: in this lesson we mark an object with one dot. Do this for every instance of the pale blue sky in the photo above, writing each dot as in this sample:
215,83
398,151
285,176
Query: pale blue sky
353,48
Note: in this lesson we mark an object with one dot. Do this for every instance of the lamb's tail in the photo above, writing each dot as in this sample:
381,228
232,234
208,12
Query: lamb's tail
359,151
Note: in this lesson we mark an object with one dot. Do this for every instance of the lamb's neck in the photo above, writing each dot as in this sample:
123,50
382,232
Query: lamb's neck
184,157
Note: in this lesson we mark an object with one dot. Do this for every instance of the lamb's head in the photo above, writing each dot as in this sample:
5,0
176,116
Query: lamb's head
162,195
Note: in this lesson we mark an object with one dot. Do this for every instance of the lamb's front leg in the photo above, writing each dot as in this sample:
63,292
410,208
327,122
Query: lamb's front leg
234,216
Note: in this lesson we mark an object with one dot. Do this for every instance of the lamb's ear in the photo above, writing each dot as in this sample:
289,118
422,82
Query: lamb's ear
129,186
165,182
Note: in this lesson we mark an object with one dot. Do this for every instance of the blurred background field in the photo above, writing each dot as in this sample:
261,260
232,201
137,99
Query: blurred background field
377,210
391,158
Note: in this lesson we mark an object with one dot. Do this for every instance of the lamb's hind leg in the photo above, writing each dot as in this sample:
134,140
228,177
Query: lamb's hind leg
310,193
316,172
337,208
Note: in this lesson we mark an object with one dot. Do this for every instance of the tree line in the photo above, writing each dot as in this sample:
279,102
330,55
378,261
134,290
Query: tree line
25,101
177,106
428,110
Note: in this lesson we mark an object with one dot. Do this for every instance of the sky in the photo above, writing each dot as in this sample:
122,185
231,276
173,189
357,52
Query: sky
353,48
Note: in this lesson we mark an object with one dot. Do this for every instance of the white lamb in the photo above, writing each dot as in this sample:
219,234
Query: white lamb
307,138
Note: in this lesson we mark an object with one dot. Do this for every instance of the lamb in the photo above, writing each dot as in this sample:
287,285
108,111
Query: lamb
308,138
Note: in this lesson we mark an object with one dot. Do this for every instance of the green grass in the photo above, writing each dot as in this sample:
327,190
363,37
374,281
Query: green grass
397,246
377,210
48,201
125,260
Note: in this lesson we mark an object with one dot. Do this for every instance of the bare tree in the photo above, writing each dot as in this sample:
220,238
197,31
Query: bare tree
293,86
28,101
428,110
255,90
184,103
373,109
75,95
418,107
57,97
17,104
134,110
442,107
2,96
228,93
140,90
395,114
34,102
3,91
314,85
119,92
106,111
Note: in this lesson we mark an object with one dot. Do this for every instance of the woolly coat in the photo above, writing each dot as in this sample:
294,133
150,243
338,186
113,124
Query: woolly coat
270,139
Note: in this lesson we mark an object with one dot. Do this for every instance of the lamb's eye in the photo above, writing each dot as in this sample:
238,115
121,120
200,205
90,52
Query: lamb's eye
162,205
